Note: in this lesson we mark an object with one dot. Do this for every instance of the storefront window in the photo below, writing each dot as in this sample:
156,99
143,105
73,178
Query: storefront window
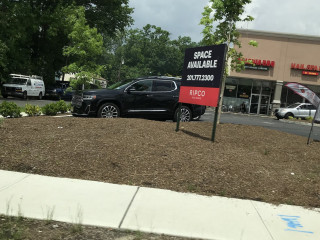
244,88
230,90
266,87
288,97
315,89
256,87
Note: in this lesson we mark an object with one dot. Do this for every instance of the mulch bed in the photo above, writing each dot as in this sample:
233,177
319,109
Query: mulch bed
246,162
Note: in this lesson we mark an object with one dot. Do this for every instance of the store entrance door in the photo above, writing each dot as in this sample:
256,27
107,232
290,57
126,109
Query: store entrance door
254,103
264,105
259,104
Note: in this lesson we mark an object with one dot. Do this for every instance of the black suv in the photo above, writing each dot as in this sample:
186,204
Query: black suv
149,97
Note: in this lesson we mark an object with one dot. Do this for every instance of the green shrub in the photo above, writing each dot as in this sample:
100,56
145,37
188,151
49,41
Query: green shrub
69,106
32,110
62,106
309,118
290,117
10,109
50,109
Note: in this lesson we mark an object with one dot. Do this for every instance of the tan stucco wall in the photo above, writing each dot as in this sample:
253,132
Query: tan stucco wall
284,49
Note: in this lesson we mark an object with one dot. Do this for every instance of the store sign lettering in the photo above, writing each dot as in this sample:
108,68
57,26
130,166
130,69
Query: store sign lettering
310,73
305,67
258,62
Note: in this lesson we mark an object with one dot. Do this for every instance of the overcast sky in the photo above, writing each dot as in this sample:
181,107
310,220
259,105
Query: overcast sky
182,17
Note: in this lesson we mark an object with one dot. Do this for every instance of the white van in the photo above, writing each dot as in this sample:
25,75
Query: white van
23,86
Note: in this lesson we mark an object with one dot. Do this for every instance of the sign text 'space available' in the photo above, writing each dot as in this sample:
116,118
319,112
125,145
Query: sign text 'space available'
202,73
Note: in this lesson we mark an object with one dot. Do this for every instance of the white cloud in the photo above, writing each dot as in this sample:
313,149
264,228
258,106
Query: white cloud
179,17
287,16
182,17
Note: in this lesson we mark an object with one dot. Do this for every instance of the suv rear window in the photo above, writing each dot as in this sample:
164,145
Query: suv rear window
163,86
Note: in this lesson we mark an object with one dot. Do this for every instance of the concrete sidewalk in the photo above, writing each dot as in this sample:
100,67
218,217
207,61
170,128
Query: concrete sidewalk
153,210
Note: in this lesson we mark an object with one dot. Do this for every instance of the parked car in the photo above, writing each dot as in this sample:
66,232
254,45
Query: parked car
297,110
23,86
57,90
150,97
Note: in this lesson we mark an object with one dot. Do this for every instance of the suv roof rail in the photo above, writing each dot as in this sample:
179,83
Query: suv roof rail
159,77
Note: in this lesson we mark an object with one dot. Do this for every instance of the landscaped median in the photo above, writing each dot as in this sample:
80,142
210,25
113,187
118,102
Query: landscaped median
12,110
246,162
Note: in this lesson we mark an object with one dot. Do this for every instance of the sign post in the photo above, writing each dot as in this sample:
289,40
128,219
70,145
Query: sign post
201,78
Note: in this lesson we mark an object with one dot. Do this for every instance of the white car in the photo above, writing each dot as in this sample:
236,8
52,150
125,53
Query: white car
297,110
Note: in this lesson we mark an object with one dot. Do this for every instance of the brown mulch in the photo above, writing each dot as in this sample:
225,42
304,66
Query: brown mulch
246,162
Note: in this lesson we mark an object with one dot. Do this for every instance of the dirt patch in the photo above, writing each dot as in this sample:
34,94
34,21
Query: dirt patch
29,229
246,162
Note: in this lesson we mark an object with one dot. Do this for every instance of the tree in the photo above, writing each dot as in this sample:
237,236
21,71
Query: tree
35,31
85,46
146,51
227,13
108,16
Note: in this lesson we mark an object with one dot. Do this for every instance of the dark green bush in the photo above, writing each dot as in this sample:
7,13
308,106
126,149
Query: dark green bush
62,107
10,109
50,109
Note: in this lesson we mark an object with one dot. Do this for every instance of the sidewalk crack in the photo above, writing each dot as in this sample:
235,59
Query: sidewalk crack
126,212
262,220
12,184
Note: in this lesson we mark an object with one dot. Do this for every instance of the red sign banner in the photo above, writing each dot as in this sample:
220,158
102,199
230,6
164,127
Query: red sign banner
199,95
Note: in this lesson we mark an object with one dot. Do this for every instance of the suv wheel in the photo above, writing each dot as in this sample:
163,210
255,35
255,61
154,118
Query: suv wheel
185,115
108,110
25,95
40,96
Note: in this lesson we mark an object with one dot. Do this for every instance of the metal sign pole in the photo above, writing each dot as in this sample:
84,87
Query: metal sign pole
314,118
178,117
215,123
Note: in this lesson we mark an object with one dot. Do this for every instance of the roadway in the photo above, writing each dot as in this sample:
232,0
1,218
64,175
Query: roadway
267,122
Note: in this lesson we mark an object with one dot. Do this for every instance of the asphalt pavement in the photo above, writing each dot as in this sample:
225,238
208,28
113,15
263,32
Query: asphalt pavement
270,122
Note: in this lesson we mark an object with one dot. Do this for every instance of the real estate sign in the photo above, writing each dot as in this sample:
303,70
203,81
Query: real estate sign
202,72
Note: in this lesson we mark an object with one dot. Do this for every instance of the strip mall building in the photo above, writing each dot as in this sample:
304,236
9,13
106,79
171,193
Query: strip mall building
278,59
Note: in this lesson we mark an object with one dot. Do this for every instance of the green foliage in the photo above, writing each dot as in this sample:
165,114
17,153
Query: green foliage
34,33
12,228
1,122
50,109
253,43
141,52
309,118
62,107
226,13
32,110
290,117
9,109
85,46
